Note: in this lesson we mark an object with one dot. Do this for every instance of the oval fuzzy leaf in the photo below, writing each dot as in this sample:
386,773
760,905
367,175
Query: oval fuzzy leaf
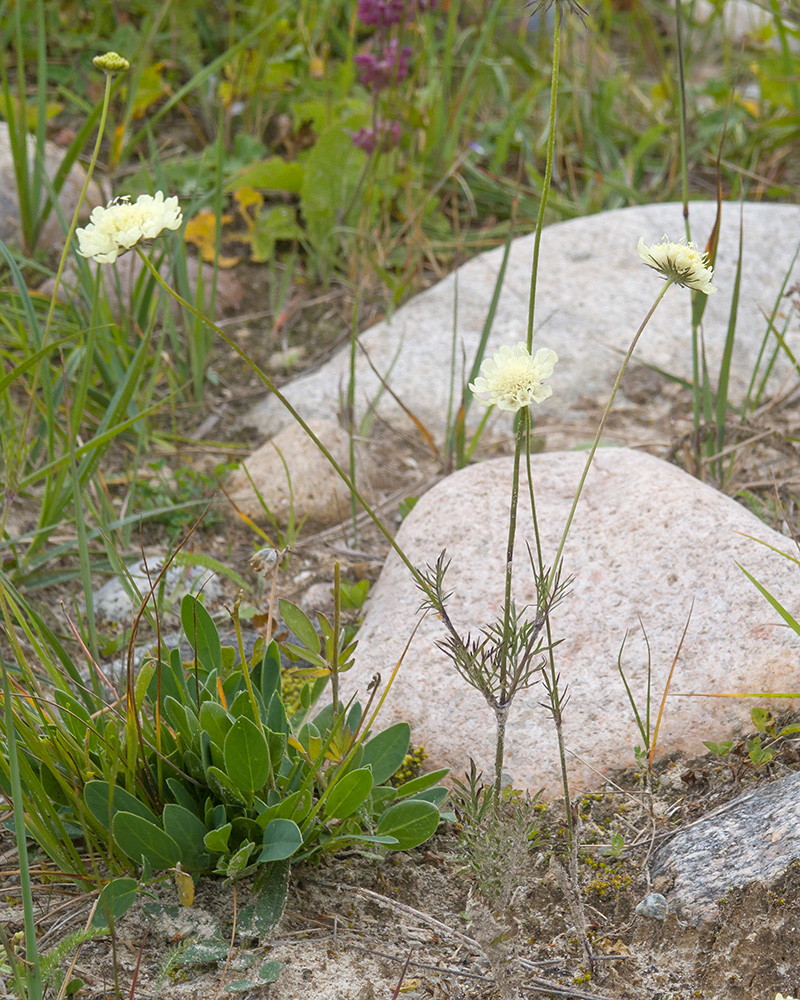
246,755
98,798
282,838
217,840
387,751
139,838
188,831
301,626
115,900
417,785
215,721
411,823
222,786
201,633
348,794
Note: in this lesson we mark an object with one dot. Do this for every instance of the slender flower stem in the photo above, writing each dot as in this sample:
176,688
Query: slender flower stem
602,424
285,402
548,172
502,705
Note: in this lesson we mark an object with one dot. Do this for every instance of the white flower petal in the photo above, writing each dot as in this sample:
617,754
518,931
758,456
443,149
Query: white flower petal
683,263
513,379
120,226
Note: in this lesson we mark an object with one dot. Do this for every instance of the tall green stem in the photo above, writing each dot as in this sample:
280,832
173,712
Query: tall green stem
502,705
548,172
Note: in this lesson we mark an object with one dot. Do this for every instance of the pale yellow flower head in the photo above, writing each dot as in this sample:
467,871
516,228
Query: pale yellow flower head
780,996
513,379
111,63
682,263
120,226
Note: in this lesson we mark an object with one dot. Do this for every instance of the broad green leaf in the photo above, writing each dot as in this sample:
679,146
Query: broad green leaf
416,785
412,822
185,721
381,797
98,798
387,751
242,707
273,174
282,838
188,831
215,721
217,840
270,971
348,794
270,677
139,838
261,917
324,191
201,633
115,900
246,756
301,626
295,806
204,953
276,716
146,672
224,788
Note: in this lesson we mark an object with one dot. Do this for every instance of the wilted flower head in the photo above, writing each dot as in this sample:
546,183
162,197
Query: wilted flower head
513,379
111,63
120,226
682,263
383,137
378,71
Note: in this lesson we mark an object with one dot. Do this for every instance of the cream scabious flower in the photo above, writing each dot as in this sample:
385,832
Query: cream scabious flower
682,262
121,225
513,379
780,996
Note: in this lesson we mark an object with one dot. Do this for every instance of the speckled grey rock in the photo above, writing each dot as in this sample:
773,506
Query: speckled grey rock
52,236
753,838
593,293
113,604
647,540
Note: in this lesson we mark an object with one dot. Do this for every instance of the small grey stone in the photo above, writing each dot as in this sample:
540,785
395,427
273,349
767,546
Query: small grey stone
653,906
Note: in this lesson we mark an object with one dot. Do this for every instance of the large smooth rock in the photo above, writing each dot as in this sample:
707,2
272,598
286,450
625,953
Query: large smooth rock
294,478
647,542
593,292
753,838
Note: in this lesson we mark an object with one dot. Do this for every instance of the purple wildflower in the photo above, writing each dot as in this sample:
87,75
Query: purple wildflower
381,13
380,71
385,136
